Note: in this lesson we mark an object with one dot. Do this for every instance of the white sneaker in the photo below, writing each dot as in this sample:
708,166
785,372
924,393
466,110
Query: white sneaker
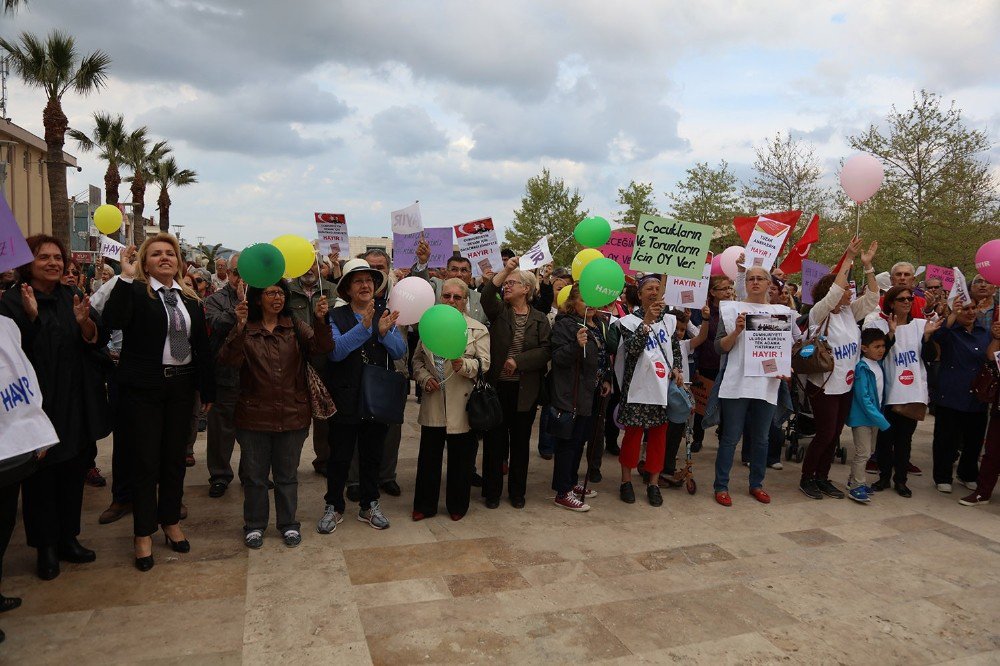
971,485
776,465
944,487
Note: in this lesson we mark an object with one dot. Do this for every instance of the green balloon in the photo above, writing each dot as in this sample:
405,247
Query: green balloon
592,231
601,282
261,265
442,330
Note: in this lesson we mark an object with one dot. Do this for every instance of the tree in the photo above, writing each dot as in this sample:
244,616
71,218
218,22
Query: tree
210,252
168,175
11,6
547,207
54,65
637,200
788,175
142,159
938,202
111,139
708,196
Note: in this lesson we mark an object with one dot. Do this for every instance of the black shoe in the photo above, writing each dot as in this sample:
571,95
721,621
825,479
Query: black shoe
810,489
270,484
653,493
492,503
9,603
353,493
627,493
613,449
391,488
177,546
595,475
216,489
903,490
881,484
72,551
695,447
48,562
828,489
3,636
477,480
144,563
321,470
545,456
517,502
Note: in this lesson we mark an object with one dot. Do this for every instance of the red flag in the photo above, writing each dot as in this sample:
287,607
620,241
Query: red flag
800,251
744,225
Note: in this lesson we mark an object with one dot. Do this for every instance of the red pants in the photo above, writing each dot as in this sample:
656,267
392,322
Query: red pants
656,447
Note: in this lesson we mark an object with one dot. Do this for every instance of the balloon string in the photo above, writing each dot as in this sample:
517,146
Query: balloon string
319,274
561,243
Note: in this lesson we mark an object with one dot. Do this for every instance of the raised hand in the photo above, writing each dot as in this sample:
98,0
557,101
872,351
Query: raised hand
511,264
854,247
867,257
933,325
129,260
242,311
81,309
322,307
387,321
28,302
893,323
241,291
741,265
423,251
369,315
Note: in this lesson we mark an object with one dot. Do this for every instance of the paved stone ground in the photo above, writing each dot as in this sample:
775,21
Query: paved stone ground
912,581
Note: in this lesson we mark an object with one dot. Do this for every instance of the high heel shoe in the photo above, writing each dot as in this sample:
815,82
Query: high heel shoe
144,563
183,546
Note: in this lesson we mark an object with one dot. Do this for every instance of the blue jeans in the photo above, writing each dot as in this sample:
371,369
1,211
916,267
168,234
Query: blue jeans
736,412
279,454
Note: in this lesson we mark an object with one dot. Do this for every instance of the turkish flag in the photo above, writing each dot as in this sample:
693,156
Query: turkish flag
744,225
800,251
330,217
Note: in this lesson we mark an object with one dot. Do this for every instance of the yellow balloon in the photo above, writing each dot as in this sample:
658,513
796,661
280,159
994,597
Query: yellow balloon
583,258
298,253
563,295
108,219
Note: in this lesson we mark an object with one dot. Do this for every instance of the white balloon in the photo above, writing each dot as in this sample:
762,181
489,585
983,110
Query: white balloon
411,297
728,259
861,177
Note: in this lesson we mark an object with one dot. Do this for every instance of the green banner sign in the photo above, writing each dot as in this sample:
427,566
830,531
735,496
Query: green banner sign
671,247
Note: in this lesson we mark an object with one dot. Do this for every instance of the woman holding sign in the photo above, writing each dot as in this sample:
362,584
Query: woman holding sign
645,365
755,342
836,316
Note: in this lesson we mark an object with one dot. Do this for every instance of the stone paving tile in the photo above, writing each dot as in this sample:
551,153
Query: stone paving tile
486,582
813,537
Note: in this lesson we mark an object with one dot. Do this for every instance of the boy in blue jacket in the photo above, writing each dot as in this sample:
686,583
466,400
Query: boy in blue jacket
866,418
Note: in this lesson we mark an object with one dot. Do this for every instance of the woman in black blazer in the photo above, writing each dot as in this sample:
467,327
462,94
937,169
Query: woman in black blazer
165,358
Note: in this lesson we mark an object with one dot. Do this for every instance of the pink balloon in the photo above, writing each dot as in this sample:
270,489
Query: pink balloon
716,266
728,259
411,297
988,261
861,177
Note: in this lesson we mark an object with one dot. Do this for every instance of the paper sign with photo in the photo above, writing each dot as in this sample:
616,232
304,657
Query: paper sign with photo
768,345
766,242
331,229
477,242
687,292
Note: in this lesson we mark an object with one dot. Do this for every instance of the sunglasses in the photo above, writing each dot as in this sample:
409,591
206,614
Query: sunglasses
71,272
199,280
905,299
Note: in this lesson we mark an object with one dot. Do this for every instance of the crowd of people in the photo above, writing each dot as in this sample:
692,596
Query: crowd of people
160,349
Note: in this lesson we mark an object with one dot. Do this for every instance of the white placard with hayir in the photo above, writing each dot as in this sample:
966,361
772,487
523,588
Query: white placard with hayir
768,345
111,248
407,220
686,292
331,230
537,256
766,242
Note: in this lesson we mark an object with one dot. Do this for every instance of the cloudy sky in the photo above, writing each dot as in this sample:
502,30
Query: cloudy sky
286,108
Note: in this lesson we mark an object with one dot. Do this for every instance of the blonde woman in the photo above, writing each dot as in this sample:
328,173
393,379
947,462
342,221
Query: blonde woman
165,360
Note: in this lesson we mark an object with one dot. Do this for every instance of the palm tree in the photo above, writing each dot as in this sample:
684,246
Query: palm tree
54,65
167,174
210,253
11,6
111,139
142,159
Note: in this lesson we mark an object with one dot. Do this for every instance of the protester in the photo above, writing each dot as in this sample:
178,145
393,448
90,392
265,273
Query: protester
273,413
202,282
443,419
103,273
959,418
59,331
707,357
745,397
579,374
989,468
165,360
644,359
984,296
362,333
865,417
220,313
221,276
519,353
902,274
906,391
458,267
304,293
836,316
685,345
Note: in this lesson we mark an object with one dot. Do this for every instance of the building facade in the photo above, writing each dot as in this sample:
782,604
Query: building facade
24,174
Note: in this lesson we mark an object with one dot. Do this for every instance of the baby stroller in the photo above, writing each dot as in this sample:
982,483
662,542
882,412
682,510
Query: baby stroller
800,424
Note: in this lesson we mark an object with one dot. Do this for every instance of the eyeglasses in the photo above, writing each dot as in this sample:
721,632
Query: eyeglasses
452,297
72,272
234,271
905,299
512,283
757,278
274,293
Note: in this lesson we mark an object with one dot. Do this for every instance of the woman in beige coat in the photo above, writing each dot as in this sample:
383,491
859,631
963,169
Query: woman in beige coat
447,384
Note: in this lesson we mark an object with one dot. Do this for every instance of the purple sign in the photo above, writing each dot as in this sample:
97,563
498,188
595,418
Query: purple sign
404,247
14,251
946,275
812,271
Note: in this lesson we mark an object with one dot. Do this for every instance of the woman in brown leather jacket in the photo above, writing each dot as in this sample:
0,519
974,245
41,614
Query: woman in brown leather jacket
273,410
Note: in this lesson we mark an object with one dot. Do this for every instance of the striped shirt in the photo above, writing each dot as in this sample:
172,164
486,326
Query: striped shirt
517,344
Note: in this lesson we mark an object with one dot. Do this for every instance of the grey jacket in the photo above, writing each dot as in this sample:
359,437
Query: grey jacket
474,307
220,313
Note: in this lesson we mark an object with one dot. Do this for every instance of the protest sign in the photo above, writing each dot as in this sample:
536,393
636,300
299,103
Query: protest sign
619,247
407,220
768,348
404,247
477,242
812,271
946,275
537,256
14,251
688,292
766,241
670,247
959,289
110,248
24,425
701,388
331,230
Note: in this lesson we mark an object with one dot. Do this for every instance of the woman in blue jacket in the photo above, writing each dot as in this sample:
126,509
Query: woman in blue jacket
865,418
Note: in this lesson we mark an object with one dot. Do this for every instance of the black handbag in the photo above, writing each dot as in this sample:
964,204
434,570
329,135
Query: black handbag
483,406
383,393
